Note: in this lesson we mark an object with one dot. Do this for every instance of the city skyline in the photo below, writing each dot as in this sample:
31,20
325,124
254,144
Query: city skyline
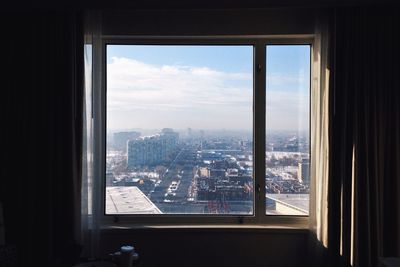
203,174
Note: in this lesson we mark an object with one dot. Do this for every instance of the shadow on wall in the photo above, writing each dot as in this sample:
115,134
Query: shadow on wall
212,247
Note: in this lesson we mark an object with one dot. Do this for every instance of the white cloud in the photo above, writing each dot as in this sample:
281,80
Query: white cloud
299,81
141,95
287,110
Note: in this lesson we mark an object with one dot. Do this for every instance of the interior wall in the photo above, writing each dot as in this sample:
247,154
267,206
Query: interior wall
212,247
209,22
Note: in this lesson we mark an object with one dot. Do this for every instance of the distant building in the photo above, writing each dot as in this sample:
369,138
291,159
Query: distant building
210,155
232,172
121,139
217,173
109,179
152,150
219,164
209,189
204,172
303,173
169,140
241,180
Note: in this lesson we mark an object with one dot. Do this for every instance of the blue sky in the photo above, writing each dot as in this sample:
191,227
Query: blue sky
223,58
204,87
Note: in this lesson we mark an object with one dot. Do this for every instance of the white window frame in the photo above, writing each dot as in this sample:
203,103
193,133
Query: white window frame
259,217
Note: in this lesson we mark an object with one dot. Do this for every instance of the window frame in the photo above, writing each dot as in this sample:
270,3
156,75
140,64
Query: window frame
259,217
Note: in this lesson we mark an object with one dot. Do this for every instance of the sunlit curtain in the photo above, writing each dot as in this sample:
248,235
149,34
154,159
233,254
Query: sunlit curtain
91,184
320,117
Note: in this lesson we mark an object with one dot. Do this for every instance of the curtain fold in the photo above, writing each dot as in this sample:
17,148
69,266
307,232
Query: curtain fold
364,181
376,116
41,135
355,222
320,145
321,114
341,164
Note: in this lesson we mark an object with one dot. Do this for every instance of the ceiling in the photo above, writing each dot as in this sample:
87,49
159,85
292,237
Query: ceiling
189,4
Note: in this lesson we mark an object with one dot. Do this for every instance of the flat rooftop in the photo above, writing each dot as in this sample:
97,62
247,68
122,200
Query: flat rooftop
128,200
300,202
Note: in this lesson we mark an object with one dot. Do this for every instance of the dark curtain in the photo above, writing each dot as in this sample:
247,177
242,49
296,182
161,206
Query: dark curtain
41,134
365,108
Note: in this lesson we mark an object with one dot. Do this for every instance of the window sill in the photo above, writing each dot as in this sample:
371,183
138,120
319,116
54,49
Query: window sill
271,228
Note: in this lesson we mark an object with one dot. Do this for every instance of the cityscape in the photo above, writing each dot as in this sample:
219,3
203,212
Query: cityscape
180,130
204,172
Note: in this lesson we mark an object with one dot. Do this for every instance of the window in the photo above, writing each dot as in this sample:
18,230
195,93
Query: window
206,130
287,129
179,129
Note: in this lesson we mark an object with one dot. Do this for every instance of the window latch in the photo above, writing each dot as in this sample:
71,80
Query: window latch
259,68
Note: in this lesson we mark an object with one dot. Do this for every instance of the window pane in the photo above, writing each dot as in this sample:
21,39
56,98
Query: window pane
179,129
287,155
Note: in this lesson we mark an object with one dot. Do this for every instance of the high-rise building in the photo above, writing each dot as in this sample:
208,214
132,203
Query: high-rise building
109,179
121,139
169,140
303,172
151,150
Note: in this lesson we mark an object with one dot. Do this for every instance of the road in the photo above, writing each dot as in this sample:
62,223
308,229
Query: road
180,170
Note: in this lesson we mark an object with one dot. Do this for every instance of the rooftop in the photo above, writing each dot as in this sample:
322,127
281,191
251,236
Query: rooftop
128,200
299,202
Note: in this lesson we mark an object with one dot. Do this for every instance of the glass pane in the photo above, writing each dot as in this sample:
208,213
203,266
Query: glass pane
179,129
287,155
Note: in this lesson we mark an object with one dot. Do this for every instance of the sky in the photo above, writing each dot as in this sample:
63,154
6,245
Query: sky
204,87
